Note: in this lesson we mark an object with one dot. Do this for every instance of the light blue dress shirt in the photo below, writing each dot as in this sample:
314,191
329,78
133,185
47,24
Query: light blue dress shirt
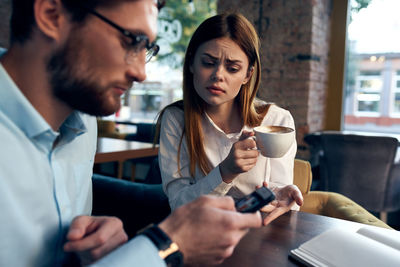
42,188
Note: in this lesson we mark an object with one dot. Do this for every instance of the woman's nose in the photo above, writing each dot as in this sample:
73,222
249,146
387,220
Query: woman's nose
217,74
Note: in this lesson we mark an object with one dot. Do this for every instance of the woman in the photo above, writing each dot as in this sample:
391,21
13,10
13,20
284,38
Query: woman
204,140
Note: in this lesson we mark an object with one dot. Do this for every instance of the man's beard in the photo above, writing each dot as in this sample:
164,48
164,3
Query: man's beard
81,93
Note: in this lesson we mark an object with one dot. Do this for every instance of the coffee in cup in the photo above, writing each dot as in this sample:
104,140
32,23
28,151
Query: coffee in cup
274,141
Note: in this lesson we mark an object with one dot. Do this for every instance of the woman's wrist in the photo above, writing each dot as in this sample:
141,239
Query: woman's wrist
226,176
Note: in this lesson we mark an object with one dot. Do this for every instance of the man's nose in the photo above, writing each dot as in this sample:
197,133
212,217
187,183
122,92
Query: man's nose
137,69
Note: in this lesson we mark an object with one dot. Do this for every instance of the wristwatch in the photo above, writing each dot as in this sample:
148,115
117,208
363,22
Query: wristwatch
167,250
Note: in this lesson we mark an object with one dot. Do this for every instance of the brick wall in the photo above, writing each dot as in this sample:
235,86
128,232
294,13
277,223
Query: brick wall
294,56
5,12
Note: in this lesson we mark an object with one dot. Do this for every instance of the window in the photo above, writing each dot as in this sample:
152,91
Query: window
396,94
368,92
371,100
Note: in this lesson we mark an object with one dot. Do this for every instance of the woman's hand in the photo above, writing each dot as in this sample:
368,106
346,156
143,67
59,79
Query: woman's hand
286,197
242,157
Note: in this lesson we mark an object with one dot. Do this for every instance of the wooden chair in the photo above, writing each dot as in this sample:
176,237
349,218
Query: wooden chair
106,128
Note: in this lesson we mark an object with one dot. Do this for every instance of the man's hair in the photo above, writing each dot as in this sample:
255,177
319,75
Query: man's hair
23,19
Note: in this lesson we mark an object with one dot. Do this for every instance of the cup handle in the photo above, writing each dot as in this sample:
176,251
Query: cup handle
255,139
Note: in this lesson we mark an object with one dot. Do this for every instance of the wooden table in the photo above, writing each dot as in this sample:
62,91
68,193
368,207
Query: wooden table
118,150
270,245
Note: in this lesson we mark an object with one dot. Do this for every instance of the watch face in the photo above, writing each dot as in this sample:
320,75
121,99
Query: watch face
175,259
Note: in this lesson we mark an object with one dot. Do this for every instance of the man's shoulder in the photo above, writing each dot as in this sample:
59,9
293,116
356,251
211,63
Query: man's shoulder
8,128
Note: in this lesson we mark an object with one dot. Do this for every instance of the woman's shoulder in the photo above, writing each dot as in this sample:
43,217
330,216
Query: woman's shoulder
277,115
275,109
173,112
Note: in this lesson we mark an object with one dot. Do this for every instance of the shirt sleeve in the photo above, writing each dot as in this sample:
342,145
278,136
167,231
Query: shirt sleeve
179,186
282,168
139,251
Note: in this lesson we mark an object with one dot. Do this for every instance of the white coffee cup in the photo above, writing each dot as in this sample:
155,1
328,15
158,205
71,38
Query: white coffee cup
274,141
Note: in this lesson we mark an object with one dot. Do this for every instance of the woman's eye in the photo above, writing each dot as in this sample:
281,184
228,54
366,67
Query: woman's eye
207,63
233,69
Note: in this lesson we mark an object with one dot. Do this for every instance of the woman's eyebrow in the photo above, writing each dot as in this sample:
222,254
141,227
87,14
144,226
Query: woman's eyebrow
230,61
210,56
233,61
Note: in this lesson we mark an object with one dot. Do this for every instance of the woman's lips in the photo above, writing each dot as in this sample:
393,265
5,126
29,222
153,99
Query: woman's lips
215,90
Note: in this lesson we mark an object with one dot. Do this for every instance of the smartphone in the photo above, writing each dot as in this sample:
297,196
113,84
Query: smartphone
255,200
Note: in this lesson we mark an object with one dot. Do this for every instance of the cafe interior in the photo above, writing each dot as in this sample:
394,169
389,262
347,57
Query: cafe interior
347,163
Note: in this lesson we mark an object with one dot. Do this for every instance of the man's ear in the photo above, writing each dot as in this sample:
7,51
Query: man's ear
50,17
248,75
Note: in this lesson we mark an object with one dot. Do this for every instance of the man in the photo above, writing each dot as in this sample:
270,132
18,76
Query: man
70,59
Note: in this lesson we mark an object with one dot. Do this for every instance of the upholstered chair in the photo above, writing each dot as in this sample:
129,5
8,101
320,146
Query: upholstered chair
329,203
360,167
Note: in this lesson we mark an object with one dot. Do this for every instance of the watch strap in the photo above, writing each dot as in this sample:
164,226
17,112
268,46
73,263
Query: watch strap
168,250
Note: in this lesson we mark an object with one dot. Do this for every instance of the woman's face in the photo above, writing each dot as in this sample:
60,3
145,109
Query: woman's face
220,67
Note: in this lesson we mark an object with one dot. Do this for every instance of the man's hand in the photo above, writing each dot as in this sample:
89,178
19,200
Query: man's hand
91,238
242,157
285,198
208,229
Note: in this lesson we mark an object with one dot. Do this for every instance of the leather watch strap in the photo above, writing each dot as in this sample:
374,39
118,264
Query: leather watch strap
168,250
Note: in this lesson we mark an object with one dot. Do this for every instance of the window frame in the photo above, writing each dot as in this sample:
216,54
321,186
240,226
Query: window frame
393,90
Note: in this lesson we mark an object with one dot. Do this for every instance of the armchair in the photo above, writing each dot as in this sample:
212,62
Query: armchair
360,167
329,203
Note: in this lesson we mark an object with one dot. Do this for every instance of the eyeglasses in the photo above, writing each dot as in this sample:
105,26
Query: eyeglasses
138,42
160,3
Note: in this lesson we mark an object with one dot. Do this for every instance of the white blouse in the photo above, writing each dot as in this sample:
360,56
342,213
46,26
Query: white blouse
183,189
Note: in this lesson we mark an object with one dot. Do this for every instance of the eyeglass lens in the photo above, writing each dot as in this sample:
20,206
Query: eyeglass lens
135,49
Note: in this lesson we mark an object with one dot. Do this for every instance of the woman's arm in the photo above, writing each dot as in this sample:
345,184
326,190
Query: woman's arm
180,187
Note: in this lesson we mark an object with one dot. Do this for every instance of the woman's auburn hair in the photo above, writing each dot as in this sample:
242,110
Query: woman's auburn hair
236,27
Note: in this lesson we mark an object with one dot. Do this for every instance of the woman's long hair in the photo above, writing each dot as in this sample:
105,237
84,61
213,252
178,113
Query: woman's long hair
241,31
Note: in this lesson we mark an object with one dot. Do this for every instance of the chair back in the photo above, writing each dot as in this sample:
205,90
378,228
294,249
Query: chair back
145,132
302,176
105,126
357,166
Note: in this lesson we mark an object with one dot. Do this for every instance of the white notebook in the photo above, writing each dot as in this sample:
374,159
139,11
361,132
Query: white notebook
369,246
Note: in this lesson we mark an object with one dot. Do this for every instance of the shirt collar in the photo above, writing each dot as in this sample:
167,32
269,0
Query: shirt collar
74,124
216,128
18,109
